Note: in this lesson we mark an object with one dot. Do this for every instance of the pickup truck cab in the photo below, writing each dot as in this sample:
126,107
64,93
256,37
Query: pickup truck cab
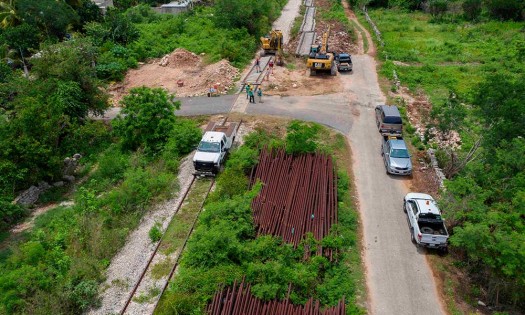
427,227
396,156
343,62
388,120
213,148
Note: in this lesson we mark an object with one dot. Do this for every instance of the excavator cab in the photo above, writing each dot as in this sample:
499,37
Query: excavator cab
319,59
314,50
272,43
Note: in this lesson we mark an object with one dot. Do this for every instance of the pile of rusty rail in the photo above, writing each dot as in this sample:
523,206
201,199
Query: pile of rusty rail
299,195
238,300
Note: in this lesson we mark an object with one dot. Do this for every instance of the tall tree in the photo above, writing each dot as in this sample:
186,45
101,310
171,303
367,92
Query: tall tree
74,61
148,116
500,102
52,17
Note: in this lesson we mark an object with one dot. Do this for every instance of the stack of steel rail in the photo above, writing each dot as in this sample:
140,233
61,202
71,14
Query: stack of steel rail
299,195
238,300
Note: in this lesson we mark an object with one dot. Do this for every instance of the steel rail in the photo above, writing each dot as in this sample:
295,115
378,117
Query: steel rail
176,264
128,301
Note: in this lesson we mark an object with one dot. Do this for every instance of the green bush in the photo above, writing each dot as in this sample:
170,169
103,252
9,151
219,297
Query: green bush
142,13
301,137
10,214
83,295
147,119
139,187
155,234
88,139
184,137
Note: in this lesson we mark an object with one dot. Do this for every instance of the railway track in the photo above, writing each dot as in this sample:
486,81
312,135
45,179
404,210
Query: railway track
253,77
160,243
181,249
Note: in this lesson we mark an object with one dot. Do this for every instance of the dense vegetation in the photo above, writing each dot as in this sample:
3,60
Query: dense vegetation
470,9
57,57
79,51
58,267
224,247
474,74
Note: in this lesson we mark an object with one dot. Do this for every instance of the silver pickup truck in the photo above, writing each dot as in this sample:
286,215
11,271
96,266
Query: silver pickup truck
427,227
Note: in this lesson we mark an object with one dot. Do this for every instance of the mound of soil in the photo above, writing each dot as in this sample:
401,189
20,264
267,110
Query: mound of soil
180,58
180,72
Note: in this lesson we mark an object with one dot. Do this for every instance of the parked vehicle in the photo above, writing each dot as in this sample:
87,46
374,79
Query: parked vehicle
389,120
343,62
427,227
213,148
396,156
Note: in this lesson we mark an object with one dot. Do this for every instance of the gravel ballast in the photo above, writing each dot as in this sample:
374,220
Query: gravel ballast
126,267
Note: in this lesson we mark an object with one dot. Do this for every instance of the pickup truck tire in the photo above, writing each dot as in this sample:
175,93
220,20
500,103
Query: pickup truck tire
412,237
404,207
427,230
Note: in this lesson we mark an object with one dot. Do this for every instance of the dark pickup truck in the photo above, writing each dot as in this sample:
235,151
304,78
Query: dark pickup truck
343,62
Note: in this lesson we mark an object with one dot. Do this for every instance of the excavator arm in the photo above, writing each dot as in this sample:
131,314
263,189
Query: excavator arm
324,42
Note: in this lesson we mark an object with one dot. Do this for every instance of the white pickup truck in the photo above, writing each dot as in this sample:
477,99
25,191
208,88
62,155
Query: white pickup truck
213,148
426,224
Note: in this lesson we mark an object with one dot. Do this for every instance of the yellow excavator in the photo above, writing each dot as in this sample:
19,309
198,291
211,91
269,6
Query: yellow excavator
272,43
320,59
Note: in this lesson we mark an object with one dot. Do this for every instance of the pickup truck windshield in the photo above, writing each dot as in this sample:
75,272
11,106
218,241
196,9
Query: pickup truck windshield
399,153
209,147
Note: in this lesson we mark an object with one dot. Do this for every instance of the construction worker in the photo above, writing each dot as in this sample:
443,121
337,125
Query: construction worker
258,64
270,65
248,88
259,94
252,97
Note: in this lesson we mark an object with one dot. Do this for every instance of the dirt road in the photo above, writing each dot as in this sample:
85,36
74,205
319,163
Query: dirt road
398,277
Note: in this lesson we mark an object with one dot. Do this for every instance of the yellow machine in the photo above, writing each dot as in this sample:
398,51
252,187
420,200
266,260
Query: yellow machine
320,59
273,44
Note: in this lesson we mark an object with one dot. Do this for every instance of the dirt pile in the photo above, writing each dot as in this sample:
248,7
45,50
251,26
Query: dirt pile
180,72
180,58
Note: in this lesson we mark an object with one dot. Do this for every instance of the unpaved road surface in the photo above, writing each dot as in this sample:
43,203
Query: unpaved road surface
285,21
398,277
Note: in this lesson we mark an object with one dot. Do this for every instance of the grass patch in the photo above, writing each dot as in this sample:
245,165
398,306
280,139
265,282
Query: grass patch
143,298
54,194
298,21
363,35
182,221
161,269
448,55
